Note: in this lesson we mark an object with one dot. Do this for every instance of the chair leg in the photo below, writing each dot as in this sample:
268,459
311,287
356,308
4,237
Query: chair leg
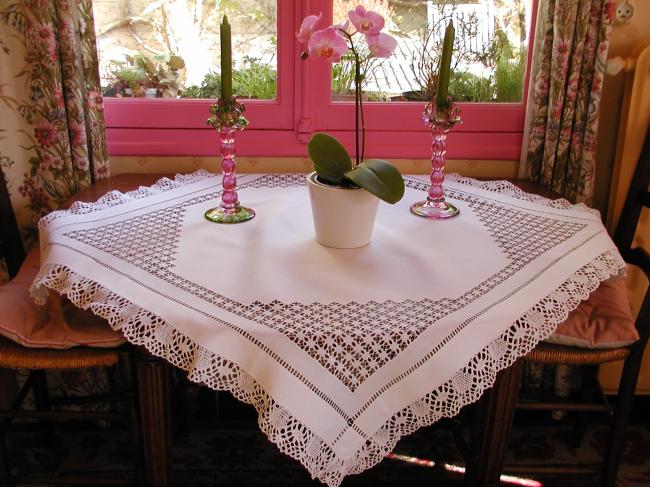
41,394
4,463
491,428
579,427
625,398
43,403
5,423
127,375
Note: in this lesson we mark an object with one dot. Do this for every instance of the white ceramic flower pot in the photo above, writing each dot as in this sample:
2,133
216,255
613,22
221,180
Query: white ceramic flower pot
343,217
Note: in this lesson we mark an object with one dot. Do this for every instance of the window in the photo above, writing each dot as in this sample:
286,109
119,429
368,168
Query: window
160,60
489,52
171,49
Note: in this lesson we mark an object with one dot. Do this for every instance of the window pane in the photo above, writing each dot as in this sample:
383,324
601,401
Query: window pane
171,48
489,59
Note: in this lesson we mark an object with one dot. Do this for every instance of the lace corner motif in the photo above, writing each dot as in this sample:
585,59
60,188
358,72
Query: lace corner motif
143,327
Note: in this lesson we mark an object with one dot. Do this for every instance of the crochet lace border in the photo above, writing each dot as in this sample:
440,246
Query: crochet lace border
143,327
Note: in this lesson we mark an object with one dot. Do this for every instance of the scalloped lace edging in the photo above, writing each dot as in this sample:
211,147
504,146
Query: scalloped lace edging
507,188
142,327
114,197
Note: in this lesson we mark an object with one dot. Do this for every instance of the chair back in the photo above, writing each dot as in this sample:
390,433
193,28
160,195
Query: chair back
11,245
638,197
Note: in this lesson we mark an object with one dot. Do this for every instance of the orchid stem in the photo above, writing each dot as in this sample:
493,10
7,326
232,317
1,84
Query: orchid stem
358,104
363,124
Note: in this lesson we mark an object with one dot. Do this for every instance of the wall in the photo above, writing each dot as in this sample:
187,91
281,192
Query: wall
624,41
184,164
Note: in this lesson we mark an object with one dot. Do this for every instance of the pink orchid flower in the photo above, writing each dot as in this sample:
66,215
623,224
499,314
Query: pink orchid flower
381,45
328,44
344,26
308,27
366,21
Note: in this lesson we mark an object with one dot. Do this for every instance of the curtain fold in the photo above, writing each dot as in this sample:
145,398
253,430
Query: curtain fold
52,132
559,147
566,86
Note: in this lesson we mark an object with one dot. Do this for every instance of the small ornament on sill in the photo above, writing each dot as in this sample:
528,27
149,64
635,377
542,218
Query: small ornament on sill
230,114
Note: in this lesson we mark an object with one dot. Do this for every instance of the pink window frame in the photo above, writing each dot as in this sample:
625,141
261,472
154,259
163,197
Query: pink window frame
303,106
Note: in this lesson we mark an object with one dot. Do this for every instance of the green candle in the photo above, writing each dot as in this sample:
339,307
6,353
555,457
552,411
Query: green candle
445,66
226,62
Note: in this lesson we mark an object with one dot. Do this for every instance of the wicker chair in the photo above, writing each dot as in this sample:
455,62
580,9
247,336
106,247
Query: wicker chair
546,353
36,360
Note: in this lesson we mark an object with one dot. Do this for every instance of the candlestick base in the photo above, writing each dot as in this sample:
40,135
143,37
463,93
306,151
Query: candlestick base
435,210
237,215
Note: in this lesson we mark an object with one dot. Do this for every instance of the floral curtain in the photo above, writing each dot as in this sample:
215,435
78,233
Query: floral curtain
565,95
52,134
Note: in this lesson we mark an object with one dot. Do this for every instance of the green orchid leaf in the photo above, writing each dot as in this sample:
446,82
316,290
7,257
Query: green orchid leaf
380,178
331,160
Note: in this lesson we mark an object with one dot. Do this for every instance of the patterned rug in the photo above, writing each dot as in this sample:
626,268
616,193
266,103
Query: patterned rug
235,453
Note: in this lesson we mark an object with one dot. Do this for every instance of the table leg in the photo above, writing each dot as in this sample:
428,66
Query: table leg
186,395
4,467
492,427
155,418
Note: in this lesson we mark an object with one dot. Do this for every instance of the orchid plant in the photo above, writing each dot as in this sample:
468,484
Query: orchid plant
333,164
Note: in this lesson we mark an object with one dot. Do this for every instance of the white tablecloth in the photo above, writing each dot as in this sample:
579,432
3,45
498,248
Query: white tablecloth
341,352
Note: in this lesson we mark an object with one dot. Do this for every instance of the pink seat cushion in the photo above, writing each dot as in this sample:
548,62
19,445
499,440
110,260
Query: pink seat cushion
604,320
24,322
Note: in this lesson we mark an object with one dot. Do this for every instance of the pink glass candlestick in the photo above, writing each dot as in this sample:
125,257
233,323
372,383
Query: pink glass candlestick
441,122
228,119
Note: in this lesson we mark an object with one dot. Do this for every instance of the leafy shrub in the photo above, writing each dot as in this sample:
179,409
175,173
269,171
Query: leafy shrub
505,83
509,79
471,88
343,75
139,73
256,80
210,87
